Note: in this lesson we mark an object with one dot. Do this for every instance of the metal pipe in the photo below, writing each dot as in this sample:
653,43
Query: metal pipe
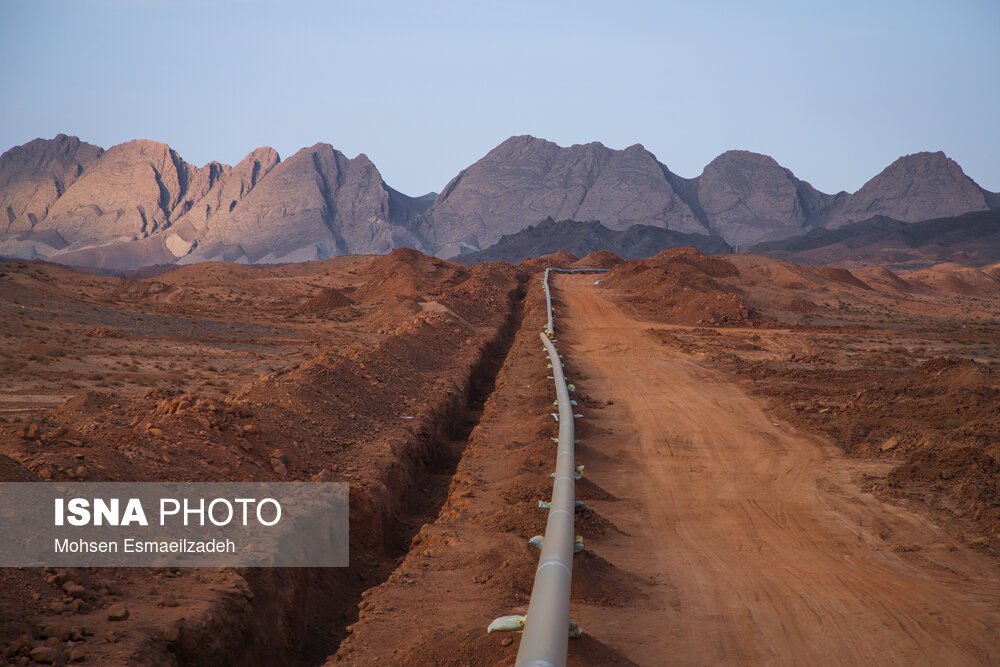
546,628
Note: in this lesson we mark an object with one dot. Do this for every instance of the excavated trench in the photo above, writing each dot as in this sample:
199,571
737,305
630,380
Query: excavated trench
299,616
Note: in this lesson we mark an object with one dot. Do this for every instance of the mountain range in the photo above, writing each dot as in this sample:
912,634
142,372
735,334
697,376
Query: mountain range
139,203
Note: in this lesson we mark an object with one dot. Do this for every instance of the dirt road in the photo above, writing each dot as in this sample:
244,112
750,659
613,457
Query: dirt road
753,541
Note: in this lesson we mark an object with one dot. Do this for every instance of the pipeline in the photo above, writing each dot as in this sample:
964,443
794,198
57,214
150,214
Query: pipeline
546,624
550,330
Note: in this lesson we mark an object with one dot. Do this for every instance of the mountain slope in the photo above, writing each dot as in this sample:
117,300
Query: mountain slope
526,179
748,197
915,187
972,238
314,205
583,238
139,204
35,175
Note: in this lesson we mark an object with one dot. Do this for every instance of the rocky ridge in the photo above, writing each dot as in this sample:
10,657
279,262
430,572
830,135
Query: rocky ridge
140,204
584,238
743,197
971,239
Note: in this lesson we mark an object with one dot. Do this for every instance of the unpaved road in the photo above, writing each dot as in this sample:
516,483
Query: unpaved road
753,541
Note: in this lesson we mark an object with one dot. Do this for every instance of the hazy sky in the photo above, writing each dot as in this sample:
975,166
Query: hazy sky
834,91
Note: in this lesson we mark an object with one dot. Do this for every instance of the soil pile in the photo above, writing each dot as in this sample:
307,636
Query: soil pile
329,298
682,286
601,259
407,273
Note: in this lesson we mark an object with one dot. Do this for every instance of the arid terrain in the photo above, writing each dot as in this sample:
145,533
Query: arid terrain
783,464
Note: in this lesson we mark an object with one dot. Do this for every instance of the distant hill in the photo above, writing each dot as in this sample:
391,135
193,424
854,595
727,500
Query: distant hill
972,238
583,238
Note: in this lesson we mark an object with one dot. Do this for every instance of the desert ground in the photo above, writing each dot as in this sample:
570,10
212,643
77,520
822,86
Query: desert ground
783,464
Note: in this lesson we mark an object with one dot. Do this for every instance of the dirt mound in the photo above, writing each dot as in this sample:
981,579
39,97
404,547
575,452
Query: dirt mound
407,273
388,315
782,273
329,298
841,276
484,290
781,291
12,471
679,286
973,474
958,279
981,281
710,266
601,259
953,374
561,259
883,279
556,260
776,272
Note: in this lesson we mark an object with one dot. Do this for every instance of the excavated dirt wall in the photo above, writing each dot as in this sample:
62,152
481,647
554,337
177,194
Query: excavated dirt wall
313,606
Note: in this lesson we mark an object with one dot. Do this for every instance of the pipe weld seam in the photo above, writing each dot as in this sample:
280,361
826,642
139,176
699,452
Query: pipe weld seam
554,562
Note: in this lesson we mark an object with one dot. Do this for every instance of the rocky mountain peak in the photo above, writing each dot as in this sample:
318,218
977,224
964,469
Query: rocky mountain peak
131,191
740,159
915,187
315,204
526,178
35,175
264,155
519,143
748,196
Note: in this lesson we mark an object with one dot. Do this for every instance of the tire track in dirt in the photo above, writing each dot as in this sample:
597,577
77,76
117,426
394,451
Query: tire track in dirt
755,541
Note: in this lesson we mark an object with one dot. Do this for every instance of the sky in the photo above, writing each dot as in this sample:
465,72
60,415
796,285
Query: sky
834,91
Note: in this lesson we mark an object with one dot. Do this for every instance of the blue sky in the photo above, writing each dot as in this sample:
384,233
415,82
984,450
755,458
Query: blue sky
834,91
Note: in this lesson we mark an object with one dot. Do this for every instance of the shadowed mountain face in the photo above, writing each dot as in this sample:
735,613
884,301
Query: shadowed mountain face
747,196
972,239
583,238
525,179
140,204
